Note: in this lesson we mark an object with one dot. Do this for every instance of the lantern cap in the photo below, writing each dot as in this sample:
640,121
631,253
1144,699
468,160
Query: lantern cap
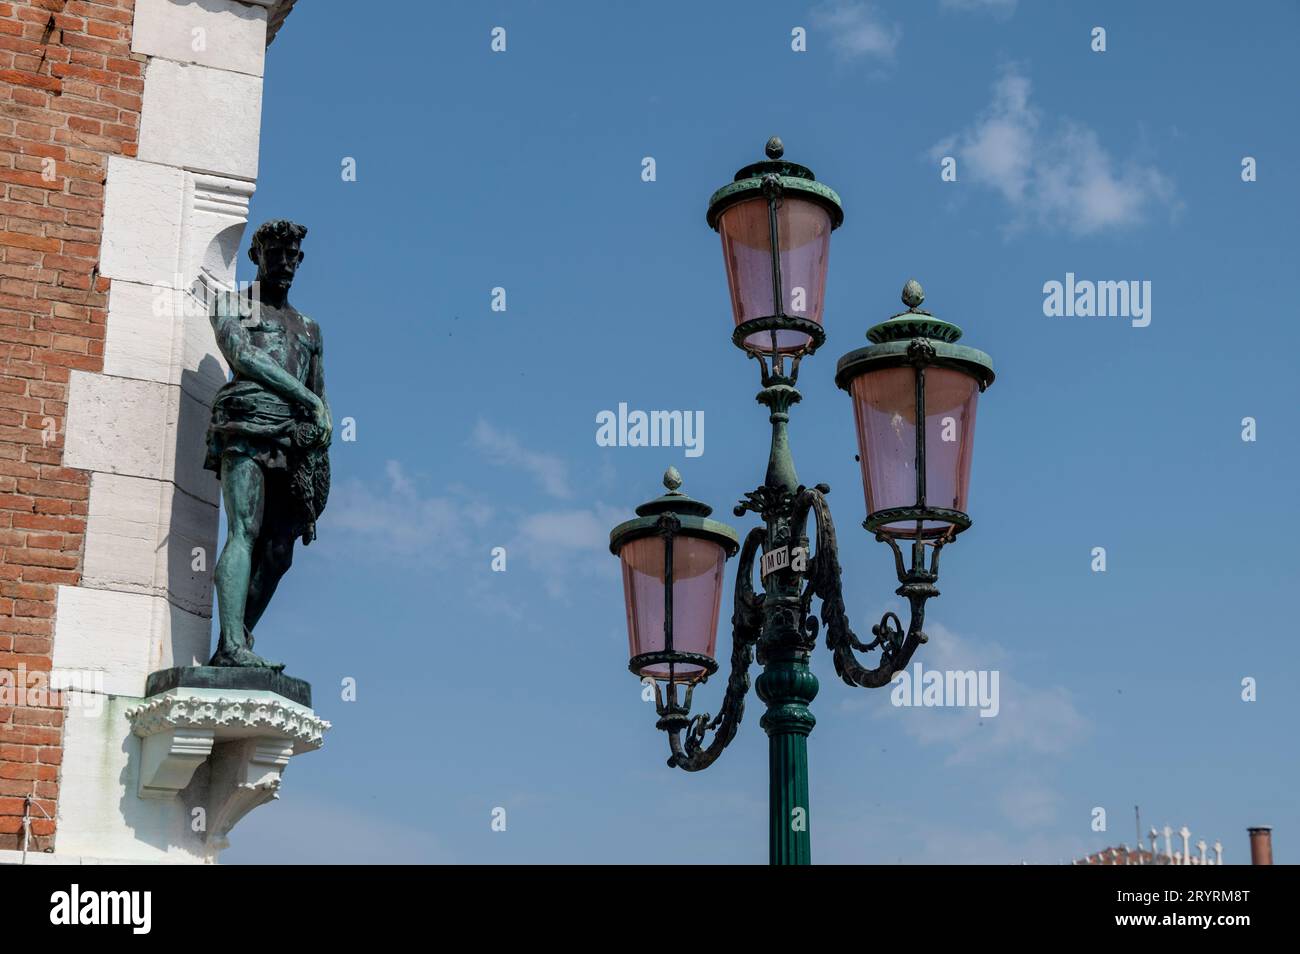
915,322
674,501
692,515
910,336
784,175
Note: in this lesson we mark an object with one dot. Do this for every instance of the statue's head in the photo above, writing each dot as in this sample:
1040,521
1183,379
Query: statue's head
276,250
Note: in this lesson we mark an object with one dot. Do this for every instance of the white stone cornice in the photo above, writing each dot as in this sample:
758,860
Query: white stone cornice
244,737
234,715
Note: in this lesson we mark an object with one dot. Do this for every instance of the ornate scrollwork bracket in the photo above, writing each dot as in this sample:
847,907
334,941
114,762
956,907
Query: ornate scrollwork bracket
917,584
686,734
821,579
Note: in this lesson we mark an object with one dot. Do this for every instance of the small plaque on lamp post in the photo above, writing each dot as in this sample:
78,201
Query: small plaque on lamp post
774,560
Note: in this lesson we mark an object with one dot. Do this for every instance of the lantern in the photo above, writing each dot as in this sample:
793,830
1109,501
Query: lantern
673,557
914,394
776,221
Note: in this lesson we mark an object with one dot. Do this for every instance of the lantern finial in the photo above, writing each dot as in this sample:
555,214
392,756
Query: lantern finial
913,294
775,148
672,479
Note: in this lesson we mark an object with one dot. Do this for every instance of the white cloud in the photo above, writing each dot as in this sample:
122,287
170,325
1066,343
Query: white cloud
401,484
571,530
857,30
398,519
1052,175
563,548
1030,721
505,450
567,545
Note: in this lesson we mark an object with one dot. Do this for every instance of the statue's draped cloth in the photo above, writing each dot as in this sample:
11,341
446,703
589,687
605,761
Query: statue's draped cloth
248,419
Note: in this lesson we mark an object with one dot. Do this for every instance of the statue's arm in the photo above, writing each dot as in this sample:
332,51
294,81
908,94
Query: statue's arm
316,381
316,374
252,362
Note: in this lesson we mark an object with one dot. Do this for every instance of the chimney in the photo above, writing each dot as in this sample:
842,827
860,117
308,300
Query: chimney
1261,846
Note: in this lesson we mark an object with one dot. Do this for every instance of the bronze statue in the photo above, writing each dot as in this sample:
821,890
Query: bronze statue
268,440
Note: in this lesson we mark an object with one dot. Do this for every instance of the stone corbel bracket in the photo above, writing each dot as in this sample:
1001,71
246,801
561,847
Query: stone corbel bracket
248,735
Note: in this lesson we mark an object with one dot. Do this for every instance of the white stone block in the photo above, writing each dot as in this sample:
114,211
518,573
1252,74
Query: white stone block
117,425
175,347
140,538
220,33
122,530
161,331
186,447
143,205
109,641
185,638
140,429
139,339
105,631
188,524
158,333
203,368
201,119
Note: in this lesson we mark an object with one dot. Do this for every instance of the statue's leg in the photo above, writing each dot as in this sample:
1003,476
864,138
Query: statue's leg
243,491
273,554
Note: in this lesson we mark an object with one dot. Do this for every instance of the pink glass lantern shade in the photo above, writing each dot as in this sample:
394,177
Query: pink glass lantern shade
884,409
696,597
803,245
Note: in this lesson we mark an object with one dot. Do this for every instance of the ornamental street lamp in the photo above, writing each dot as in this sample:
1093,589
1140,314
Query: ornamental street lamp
914,392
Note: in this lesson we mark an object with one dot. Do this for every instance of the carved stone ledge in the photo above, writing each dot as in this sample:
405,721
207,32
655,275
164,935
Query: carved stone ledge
247,736
245,773
231,714
168,760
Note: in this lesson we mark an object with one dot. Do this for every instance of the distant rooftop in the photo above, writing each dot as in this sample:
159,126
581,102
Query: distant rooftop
1179,849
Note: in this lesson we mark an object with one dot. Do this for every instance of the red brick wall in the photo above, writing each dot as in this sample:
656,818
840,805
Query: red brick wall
70,92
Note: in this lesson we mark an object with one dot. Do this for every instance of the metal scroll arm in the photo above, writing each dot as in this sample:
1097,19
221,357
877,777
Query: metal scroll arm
917,586
746,623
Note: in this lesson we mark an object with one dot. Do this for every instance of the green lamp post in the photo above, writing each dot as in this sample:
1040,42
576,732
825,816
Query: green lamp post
914,393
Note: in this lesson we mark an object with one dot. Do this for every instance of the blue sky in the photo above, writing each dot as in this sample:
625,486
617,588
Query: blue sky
476,429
